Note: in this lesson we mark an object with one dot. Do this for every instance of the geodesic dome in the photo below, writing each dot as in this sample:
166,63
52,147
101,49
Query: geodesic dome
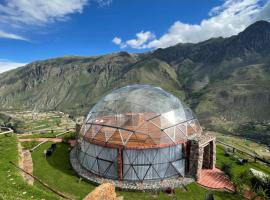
140,116
144,125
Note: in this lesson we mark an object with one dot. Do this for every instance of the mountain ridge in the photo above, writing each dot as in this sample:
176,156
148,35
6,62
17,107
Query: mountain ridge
224,80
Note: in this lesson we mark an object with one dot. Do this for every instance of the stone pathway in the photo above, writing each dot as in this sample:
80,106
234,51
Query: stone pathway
215,179
26,163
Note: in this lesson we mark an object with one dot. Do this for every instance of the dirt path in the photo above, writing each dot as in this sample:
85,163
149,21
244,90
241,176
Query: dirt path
26,163
41,139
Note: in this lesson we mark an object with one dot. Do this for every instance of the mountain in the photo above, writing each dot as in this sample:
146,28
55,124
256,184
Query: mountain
226,81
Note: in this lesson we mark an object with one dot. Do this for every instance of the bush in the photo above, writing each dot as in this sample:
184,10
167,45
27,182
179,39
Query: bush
209,196
259,185
227,169
242,180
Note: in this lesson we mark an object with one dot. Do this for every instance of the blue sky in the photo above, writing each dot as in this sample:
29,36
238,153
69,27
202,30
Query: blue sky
36,29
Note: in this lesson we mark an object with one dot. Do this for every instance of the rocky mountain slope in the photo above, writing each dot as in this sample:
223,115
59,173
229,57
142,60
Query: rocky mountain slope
225,80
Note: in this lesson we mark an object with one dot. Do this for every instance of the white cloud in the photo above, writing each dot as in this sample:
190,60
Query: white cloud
230,18
6,65
20,14
141,39
138,43
4,34
38,12
117,40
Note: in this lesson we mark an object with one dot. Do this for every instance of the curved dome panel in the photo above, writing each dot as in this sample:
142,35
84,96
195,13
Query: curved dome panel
140,116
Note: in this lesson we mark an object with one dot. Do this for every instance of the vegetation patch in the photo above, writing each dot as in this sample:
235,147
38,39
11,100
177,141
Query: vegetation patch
12,185
57,172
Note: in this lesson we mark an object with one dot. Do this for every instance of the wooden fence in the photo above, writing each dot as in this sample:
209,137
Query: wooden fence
254,156
5,130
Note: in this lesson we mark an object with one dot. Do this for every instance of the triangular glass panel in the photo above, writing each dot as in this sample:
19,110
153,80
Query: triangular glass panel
108,154
140,158
125,135
103,166
150,115
150,154
171,171
161,169
95,129
164,154
94,167
151,174
112,171
141,171
84,146
91,150
98,149
149,142
108,133
197,126
130,174
183,128
115,138
129,156
85,129
134,141
154,132
88,162
156,121
142,128
190,129
100,136
171,133
165,139
167,119
125,169
179,165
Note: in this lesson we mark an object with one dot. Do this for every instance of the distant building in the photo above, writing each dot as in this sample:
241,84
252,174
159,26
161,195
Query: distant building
141,133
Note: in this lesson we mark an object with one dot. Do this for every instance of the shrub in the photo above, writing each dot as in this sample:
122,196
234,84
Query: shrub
260,186
226,167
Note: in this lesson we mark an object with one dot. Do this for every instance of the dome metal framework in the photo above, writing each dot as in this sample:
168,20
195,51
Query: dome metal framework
137,133
140,116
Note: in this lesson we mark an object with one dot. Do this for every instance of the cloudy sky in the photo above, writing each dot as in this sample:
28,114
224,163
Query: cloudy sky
37,29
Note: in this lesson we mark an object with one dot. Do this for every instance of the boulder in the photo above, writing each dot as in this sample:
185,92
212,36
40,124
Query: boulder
105,191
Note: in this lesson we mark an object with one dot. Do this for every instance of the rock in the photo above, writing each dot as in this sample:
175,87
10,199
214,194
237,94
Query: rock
259,174
105,191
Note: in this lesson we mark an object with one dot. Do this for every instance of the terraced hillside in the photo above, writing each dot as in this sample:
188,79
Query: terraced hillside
225,80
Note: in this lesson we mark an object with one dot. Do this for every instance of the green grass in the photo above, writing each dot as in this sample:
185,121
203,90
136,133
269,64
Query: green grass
57,172
194,192
29,145
237,169
12,186
70,135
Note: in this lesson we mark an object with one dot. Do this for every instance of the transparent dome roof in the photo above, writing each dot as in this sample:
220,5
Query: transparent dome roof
140,116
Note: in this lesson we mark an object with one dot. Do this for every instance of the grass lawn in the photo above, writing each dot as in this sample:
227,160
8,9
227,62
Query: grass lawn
12,186
57,172
236,168
70,135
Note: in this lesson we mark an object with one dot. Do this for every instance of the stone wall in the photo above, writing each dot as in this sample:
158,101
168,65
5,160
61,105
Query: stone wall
202,154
